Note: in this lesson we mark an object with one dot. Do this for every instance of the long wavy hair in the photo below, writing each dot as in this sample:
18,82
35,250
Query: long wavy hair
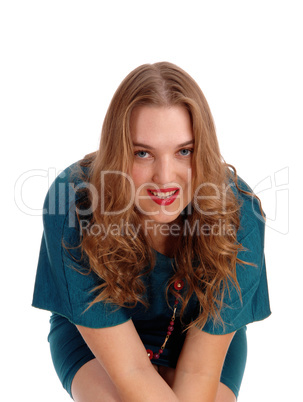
206,263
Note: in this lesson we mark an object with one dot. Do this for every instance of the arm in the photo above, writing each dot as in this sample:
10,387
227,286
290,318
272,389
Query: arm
121,353
199,366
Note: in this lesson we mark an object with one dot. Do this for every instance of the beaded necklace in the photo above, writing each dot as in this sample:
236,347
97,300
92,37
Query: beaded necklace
178,285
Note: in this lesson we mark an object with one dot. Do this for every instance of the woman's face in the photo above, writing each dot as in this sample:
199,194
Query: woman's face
163,144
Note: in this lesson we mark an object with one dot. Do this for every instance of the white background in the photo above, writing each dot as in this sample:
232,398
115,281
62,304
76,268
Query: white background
61,62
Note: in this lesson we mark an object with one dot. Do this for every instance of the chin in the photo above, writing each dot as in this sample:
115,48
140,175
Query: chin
162,218
169,219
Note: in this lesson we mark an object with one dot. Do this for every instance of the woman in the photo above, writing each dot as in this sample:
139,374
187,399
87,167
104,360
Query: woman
152,252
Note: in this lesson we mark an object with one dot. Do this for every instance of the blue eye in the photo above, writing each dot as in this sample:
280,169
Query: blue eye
141,154
185,152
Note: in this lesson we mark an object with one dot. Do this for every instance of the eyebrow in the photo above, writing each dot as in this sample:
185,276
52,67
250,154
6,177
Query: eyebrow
139,144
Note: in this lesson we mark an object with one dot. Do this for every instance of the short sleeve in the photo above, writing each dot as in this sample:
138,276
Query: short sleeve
63,282
252,279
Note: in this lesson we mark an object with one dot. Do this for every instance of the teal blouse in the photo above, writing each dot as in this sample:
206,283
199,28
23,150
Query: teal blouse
63,285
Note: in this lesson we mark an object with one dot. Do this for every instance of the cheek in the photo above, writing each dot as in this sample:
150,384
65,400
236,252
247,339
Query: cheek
187,187
138,176
187,176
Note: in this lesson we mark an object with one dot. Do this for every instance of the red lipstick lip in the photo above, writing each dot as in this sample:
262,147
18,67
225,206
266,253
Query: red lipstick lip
165,201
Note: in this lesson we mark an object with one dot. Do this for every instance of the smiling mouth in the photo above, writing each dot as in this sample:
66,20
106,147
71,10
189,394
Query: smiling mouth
165,196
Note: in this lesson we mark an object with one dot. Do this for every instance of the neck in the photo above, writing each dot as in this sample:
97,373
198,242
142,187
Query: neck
163,237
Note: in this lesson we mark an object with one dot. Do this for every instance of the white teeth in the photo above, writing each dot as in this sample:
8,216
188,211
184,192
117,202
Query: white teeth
161,195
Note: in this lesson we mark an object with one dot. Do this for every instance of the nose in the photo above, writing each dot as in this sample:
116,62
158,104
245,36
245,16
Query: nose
164,171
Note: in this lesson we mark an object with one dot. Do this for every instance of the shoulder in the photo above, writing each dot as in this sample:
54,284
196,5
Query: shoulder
251,214
74,176
62,198
63,190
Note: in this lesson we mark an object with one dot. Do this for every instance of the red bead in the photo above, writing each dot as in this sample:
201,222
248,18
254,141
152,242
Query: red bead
178,285
150,353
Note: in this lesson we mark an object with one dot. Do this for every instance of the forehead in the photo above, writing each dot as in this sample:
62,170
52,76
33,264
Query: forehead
155,125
